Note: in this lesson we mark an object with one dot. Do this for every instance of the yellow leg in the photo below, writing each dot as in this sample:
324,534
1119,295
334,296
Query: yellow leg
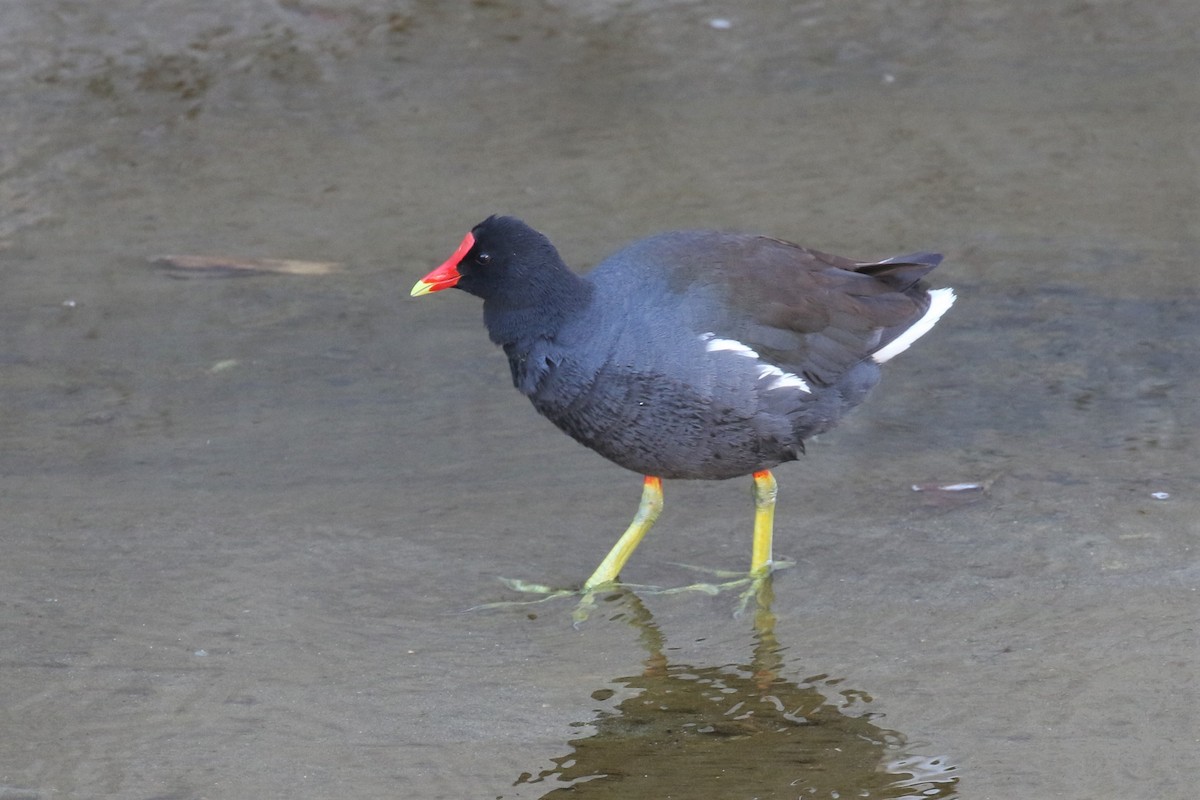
764,522
648,511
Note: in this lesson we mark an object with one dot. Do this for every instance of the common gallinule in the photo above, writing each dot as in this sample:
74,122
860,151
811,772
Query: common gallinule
692,354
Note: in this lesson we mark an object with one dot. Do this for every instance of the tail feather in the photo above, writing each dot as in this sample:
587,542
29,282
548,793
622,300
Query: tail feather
901,272
940,301
930,260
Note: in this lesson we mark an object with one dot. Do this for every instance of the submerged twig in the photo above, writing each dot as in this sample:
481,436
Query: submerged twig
222,267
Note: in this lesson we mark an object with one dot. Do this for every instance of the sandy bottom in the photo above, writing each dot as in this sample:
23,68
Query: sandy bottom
244,517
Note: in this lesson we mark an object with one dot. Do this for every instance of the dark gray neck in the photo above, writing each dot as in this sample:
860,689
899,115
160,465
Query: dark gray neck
537,313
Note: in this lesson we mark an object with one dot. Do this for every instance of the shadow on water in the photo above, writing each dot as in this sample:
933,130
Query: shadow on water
736,731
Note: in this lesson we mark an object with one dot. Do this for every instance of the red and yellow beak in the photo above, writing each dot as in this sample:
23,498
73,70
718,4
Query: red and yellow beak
447,274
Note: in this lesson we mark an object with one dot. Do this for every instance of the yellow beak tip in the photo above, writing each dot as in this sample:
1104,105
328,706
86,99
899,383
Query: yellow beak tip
421,288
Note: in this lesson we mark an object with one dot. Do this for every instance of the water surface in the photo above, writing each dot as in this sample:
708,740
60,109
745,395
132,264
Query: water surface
244,517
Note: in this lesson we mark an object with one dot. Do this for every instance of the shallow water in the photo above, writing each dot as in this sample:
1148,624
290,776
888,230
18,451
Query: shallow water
244,517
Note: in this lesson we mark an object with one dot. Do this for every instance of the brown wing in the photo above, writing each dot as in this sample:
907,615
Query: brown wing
809,312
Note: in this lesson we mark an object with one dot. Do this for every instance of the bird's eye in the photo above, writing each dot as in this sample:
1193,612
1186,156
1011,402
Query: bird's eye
483,259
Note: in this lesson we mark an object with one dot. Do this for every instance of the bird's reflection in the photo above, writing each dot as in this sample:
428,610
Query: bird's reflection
735,731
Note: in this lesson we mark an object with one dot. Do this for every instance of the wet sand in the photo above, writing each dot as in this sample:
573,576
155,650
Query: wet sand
244,517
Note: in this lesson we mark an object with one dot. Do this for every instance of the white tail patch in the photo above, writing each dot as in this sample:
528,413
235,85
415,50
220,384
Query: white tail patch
940,301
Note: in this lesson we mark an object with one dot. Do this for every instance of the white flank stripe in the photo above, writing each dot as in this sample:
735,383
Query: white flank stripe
714,344
940,301
781,379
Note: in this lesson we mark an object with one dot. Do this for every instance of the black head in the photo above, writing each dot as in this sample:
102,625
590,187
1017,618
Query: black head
502,259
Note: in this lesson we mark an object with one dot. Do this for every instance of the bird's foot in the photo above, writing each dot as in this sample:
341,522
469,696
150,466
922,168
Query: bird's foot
525,587
735,577
587,597
750,583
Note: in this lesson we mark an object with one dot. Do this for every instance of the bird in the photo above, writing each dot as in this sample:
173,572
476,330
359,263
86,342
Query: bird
692,354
